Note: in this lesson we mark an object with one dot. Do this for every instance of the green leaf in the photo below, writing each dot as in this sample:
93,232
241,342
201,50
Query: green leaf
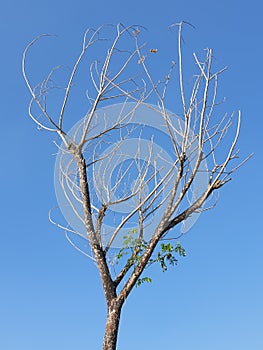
179,249
142,280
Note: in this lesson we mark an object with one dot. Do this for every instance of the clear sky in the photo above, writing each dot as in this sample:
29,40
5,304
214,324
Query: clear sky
50,295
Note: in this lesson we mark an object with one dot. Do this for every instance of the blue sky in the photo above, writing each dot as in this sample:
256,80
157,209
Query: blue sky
50,295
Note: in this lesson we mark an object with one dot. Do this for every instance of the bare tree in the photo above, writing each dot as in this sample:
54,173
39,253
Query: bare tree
146,183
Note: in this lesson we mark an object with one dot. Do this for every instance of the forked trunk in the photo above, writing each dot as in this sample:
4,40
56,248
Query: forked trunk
112,327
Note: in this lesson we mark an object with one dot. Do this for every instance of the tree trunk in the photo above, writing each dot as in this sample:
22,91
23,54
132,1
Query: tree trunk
112,326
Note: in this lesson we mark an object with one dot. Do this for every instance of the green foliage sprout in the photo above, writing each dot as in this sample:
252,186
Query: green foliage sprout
136,246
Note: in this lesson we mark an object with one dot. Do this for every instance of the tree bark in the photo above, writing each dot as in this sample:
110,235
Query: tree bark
112,326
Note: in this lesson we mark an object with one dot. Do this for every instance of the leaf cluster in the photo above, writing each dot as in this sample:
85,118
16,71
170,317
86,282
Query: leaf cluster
166,255
133,245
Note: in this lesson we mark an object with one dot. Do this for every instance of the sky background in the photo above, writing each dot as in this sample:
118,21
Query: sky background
50,295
